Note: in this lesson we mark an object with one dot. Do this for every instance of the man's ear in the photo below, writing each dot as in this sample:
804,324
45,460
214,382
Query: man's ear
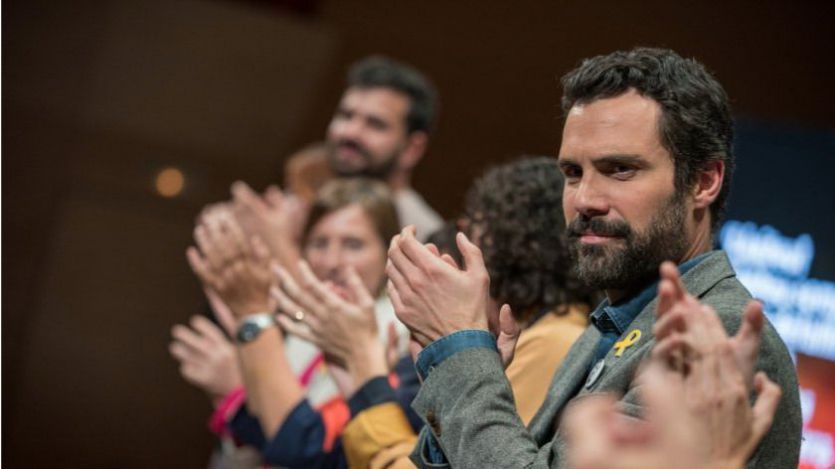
416,144
708,184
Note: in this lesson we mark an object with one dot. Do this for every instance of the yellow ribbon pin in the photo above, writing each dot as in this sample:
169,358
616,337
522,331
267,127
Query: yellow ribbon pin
627,342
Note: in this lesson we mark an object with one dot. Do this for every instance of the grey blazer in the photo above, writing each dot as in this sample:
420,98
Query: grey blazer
468,404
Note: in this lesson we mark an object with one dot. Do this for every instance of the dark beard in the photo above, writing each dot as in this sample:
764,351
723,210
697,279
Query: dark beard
380,171
628,267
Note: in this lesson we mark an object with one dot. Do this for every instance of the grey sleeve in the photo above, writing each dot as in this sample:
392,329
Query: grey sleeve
468,405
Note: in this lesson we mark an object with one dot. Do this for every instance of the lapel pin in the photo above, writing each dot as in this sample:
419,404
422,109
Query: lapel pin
595,373
627,342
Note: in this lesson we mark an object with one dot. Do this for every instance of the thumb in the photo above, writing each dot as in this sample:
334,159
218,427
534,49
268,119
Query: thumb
509,332
747,340
392,346
470,252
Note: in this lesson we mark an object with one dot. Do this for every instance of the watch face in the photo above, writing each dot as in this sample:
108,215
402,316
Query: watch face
248,332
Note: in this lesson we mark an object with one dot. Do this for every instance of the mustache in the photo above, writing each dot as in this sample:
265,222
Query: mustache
354,145
598,226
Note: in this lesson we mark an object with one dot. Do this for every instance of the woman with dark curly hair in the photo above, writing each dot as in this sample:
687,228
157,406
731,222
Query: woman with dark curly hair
515,216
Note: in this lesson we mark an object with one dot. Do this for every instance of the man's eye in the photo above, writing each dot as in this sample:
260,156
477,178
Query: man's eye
571,172
623,171
377,124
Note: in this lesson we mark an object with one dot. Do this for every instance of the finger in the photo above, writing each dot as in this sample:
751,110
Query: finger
415,347
401,269
200,267
211,252
473,259
673,344
234,239
417,253
433,249
219,241
190,339
246,198
450,260
326,301
661,389
260,251
392,346
666,298
274,197
208,330
288,286
509,331
193,373
672,321
405,264
180,352
224,315
287,306
394,296
768,397
295,328
670,272
358,290
586,418
749,336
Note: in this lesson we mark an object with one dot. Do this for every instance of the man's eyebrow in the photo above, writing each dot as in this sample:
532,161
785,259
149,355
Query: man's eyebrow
635,160
377,120
566,161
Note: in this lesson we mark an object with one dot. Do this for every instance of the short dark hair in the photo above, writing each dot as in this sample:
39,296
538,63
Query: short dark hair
695,124
517,208
373,196
382,72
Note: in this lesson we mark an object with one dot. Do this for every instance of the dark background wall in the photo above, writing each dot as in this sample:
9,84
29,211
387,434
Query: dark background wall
99,95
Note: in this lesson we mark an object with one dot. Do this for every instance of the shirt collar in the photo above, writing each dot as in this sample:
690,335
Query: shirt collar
622,314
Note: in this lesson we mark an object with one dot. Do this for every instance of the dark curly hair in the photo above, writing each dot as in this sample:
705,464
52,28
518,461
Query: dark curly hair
695,124
515,211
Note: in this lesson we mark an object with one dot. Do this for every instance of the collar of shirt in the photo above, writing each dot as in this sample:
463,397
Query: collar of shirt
616,318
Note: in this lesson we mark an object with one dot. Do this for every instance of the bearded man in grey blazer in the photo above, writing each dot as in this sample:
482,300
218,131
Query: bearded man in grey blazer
647,157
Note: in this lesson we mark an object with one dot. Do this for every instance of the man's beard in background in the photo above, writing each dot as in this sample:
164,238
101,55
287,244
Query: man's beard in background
625,267
370,169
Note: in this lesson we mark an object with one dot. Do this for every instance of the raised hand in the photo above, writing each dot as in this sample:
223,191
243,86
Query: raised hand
432,296
235,268
698,416
343,327
679,312
207,358
274,216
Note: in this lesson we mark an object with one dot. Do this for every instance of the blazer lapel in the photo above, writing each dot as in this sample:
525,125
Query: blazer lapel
567,379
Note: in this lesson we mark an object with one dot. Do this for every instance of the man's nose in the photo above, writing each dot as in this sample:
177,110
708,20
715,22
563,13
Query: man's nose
352,128
590,199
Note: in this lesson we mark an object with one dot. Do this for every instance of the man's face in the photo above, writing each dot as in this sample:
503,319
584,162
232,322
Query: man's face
623,212
368,132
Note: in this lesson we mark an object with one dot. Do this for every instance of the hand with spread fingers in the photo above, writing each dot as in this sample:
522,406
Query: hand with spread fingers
343,326
207,358
432,296
231,265
274,216
679,311
696,394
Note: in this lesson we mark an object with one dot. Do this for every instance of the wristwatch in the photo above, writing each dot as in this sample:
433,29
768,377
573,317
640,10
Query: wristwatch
252,326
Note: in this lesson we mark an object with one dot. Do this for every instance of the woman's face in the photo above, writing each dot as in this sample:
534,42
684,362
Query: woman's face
344,238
